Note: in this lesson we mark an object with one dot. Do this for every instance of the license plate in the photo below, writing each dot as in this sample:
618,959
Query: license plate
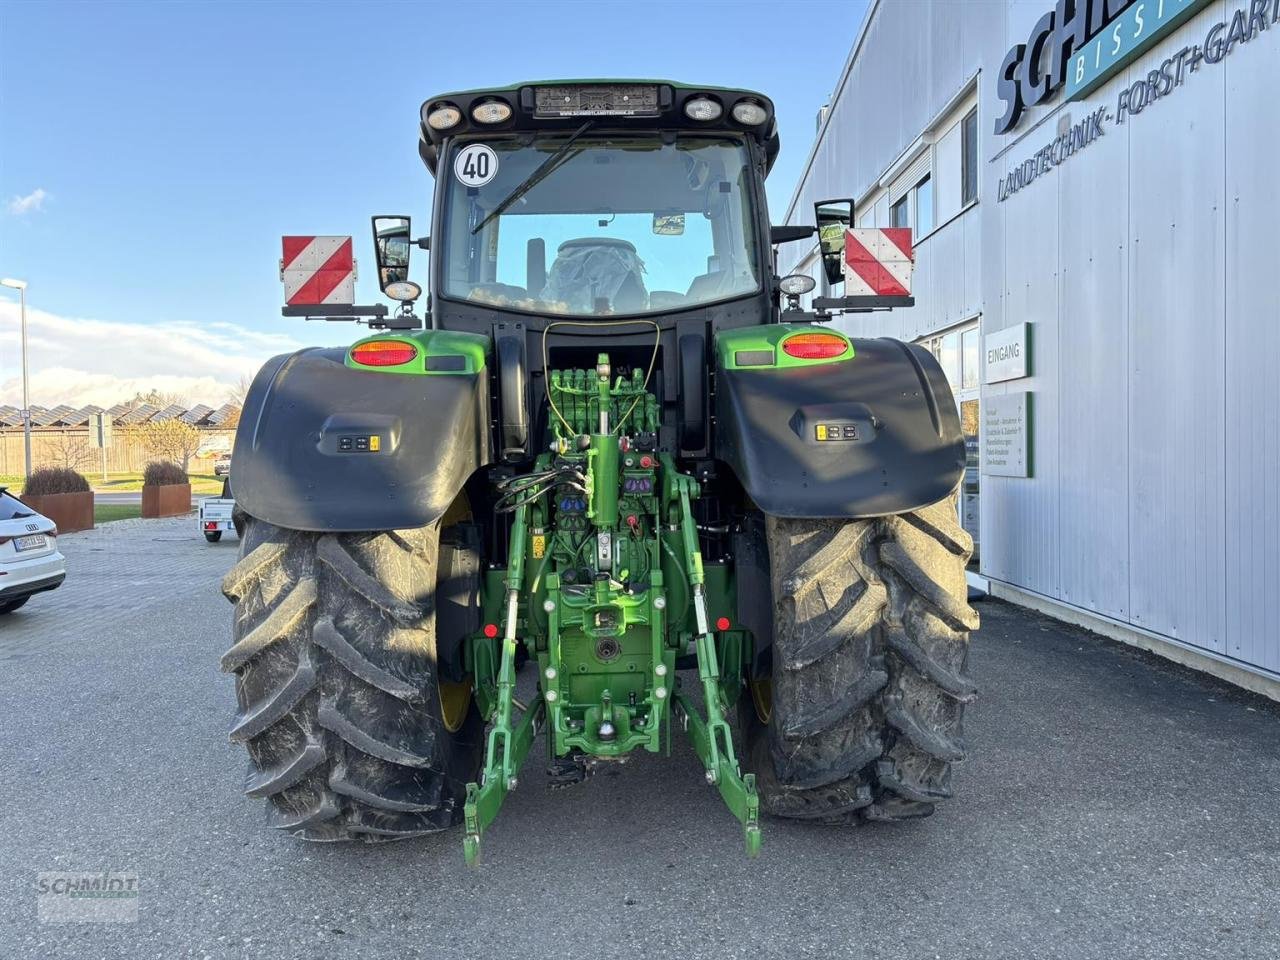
29,543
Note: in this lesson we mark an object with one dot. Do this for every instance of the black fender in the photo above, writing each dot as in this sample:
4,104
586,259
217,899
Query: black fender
291,464
899,446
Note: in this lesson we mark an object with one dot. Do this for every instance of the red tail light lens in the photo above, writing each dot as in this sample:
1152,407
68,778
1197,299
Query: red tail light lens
383,353
814,346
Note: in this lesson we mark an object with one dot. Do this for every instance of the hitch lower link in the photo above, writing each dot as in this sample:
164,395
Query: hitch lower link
711,738
510,738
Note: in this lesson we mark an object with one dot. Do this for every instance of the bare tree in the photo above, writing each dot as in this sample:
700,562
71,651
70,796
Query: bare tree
240,391
235,397
156,398
68,450
169,439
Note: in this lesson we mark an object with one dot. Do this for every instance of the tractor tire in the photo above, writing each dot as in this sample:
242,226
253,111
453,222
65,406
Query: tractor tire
349,731
864,709
213,536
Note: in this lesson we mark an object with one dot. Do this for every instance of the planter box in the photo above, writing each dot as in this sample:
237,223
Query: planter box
70,511
172,500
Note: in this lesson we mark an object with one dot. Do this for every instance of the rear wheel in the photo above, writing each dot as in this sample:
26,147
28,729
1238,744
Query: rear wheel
213,536
12,605
351,734
863,714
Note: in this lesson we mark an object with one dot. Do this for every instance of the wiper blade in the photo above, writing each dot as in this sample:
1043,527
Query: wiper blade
543,171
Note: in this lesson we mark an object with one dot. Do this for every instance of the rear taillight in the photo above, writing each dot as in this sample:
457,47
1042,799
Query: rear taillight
814,346
383,353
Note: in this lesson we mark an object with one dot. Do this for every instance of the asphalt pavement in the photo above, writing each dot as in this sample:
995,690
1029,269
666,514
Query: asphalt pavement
1114,806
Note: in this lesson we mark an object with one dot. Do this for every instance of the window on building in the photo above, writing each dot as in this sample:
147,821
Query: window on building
810,266
969,358
924,207
900,213
958,353
969,158
819,274
949,355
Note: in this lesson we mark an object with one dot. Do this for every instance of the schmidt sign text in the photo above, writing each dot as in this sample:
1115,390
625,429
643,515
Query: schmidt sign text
1078,44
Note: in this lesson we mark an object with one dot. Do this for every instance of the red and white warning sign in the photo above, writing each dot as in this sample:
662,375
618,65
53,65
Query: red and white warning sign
878,262
318,270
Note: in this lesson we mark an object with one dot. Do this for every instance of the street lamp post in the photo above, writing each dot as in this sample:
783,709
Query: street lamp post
21,287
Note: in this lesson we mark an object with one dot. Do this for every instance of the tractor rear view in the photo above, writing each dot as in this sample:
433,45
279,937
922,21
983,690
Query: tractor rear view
614,446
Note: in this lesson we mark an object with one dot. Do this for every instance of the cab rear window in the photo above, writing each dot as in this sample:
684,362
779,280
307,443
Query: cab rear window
11,508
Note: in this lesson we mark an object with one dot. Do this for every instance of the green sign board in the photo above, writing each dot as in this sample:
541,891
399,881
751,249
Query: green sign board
1137,28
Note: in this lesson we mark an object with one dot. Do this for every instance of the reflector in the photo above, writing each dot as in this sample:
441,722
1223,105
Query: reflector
814,346
383,353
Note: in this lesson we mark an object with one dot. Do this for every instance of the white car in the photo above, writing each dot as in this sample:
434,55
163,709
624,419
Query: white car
29,559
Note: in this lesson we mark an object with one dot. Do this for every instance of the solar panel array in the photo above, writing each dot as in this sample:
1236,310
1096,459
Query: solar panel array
122,414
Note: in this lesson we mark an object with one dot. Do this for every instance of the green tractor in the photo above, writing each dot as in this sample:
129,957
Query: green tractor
613,447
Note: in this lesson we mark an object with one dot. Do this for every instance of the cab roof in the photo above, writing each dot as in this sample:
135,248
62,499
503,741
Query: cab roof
564,105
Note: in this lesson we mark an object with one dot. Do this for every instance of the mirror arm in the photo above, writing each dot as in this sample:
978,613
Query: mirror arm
424,243
787,233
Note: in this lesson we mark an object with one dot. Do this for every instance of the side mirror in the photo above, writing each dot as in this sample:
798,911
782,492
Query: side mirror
833,218
391,246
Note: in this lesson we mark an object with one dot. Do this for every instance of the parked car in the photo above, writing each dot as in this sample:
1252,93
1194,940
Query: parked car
222,466
29,559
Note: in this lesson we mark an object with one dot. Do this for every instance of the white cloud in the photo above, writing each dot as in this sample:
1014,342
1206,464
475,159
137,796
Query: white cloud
33,201
78,361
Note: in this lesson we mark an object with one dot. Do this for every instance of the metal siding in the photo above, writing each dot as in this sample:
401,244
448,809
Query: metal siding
1093,440
1252,403
971,225
1176,344
1023,542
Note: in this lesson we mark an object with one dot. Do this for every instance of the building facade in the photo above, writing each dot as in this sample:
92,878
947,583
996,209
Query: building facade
1095,194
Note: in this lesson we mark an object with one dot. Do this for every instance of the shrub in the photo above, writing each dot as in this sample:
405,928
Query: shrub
51,480
163,473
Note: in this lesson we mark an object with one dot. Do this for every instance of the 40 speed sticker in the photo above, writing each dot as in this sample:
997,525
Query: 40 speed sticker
475,165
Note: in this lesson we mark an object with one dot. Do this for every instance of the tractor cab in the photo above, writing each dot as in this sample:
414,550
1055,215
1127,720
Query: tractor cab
592,200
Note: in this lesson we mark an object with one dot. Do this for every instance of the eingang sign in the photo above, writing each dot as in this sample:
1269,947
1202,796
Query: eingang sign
1084,42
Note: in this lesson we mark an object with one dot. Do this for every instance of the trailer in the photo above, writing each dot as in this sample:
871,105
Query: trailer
215,517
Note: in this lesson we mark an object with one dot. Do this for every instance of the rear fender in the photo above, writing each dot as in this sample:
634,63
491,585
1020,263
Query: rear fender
872,432
324,444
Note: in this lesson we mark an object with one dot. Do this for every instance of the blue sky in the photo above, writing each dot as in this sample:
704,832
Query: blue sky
151,154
